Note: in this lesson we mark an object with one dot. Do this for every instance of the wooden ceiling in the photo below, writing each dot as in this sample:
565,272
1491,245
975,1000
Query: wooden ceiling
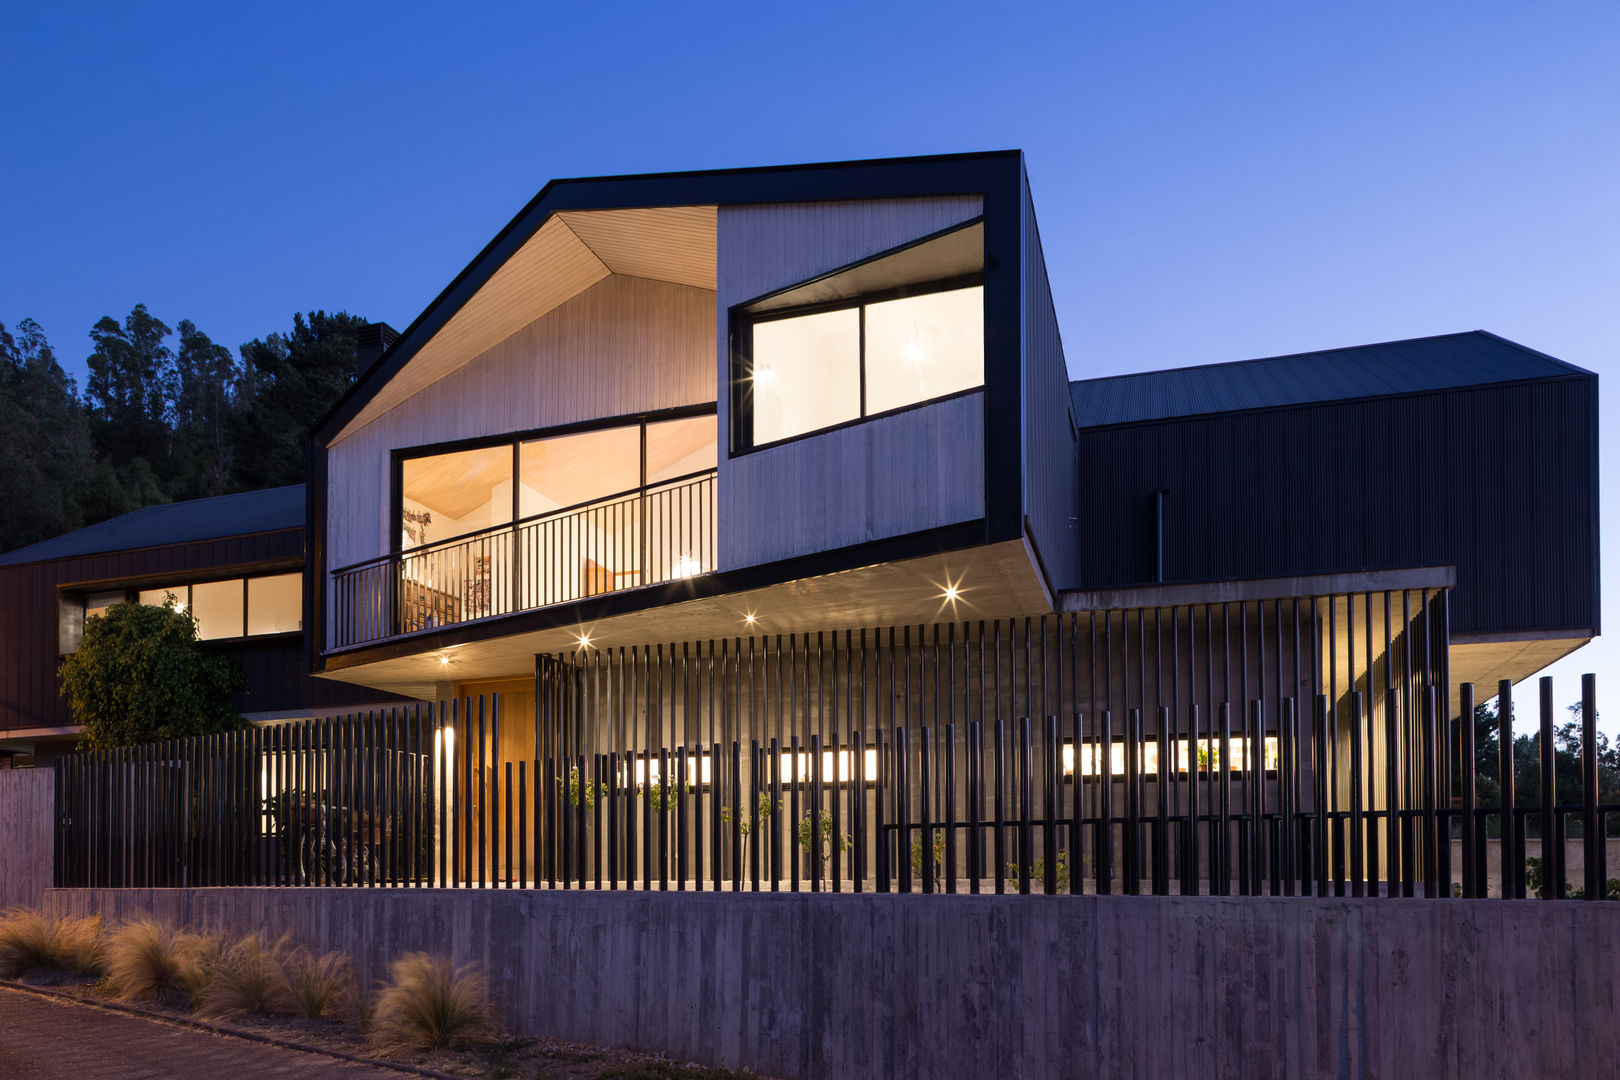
567,255
455,484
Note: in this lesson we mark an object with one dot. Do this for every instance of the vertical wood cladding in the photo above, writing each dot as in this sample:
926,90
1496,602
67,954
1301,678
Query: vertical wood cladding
625,345
273,667
1050,461
887,477
1500,481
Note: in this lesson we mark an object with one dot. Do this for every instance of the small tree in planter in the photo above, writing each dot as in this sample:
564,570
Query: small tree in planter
139,676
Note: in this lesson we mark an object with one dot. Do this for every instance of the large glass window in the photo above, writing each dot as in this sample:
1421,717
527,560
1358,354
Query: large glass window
275,604
218,606
677,448
446,495
459,492
232,608
806,373
570,470
813,370
923,347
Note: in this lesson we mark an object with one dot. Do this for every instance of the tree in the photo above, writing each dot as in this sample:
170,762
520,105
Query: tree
45,455
290,381
1567,753
131,385
205,398
139,676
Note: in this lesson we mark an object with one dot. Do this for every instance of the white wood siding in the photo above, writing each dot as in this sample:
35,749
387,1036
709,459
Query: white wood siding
887,477
625,345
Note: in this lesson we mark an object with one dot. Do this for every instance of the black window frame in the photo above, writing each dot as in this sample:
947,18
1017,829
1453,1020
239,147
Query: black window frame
398,456
79,595
743,322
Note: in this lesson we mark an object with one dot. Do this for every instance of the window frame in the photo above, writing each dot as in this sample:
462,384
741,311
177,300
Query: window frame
79,596
398,456
743,321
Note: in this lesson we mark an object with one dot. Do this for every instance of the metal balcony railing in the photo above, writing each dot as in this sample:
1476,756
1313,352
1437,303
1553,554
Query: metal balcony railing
638,538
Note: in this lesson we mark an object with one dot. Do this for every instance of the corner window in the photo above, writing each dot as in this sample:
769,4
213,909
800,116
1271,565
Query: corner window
809,371
900,329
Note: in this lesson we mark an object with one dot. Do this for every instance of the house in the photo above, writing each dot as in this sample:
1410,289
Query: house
776,479
236,562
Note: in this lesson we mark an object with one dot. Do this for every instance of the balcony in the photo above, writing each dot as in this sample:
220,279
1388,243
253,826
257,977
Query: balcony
636,539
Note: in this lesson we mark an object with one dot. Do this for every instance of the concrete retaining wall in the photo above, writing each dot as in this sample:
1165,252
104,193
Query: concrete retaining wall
904,986
27,805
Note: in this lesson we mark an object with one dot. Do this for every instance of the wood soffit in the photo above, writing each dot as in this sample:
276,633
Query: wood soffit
996,581
572,251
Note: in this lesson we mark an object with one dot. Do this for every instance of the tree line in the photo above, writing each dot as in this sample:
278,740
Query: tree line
1568,752
165,415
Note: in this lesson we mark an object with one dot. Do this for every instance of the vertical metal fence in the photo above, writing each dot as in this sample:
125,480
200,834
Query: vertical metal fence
1294,747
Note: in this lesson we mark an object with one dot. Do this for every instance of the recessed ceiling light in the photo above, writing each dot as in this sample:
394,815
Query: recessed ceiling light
584,641
749,619
444,661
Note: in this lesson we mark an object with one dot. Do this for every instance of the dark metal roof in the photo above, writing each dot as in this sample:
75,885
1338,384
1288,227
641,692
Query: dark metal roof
175,523
1474,358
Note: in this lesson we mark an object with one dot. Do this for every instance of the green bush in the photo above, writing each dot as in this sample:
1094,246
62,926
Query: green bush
139,676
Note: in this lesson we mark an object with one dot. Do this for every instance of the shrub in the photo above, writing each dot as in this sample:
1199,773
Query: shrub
28,942
139,675
32,941
319,985
430,1004
247,977
84,949
148,959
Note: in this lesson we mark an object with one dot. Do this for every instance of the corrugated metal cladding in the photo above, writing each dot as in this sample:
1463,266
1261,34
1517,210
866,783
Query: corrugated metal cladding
1500,481
1445,362
1050,465
28,615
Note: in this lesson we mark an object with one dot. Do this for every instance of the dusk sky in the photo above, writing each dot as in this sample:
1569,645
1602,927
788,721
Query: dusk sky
1214,181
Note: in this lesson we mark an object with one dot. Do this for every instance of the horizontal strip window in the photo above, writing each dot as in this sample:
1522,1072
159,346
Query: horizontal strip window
1209,757
228,609
815,368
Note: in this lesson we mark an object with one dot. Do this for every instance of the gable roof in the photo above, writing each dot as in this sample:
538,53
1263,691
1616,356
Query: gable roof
174,523
1443,362
597,246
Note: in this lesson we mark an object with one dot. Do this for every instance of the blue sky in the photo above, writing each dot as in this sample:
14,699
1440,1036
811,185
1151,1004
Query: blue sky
1214,181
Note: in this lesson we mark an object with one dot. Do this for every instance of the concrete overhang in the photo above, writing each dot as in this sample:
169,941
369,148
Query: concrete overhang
992,581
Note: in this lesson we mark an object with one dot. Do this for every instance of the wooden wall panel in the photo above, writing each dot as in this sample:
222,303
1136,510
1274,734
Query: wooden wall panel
1050,453
27,839
625,345
888,477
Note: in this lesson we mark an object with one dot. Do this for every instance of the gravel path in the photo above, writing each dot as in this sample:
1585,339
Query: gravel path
46,1039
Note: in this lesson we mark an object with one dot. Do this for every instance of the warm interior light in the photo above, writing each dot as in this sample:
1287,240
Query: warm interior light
584,641
686,566
762,375
444,661
951,593
798,771
749,619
